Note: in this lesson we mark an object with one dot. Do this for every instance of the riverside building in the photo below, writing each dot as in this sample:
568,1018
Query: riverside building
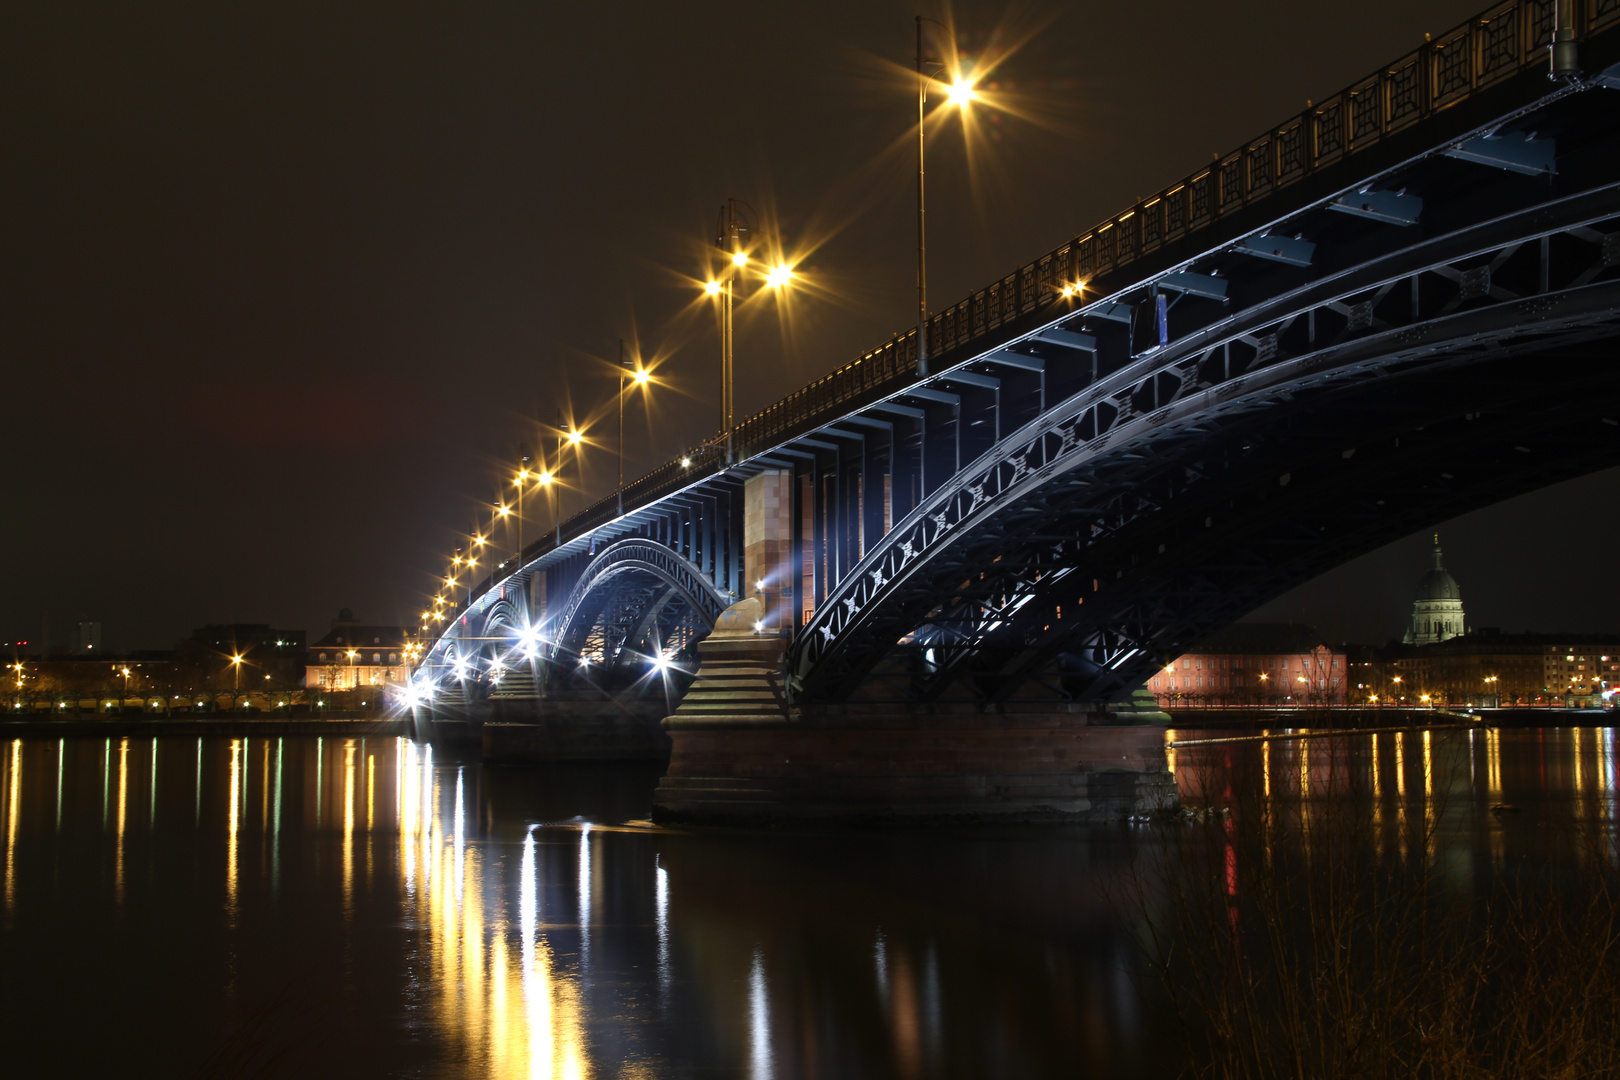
1255,664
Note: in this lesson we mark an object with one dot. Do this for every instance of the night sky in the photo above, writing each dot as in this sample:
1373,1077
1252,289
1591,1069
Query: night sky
286,285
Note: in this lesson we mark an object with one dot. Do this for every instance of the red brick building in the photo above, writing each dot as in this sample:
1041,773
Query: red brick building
1256,664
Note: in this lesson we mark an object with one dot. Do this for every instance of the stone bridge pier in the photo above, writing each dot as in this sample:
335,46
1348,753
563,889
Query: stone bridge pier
741,754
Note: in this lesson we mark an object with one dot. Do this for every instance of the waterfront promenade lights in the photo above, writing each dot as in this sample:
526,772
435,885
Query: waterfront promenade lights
959,93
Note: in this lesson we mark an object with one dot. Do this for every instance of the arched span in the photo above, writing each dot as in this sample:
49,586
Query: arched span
1210,475
641,557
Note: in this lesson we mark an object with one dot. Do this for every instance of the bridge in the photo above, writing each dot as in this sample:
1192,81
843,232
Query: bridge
931,587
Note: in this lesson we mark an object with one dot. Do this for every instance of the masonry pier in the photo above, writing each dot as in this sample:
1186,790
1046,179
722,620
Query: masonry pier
742,755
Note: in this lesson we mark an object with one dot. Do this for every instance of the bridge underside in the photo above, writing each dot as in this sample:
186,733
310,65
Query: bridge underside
1398,307
1136,560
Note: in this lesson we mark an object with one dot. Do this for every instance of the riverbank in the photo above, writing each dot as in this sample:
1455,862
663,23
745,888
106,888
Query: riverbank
1352,718
232,727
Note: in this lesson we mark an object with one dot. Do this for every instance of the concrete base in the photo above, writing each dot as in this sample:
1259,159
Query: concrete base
742,755
527,731
915,768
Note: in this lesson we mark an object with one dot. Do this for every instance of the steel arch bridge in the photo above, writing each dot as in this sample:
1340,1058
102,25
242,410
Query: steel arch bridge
1397,306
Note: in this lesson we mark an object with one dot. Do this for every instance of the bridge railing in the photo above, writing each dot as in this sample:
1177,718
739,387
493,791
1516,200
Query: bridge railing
1481,52
1500,42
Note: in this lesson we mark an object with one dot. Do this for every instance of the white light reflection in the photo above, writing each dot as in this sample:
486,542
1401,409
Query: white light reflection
409,820
661,921
460,837
759,1022
584,898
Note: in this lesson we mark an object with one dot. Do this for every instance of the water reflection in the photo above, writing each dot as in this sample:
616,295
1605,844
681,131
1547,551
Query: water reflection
449,920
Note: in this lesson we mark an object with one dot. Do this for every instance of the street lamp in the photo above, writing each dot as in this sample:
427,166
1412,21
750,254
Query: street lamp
959,93
638,375
734,227
521,481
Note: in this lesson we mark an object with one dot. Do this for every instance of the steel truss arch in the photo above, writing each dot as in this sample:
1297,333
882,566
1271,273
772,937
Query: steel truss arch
1497,292
635,556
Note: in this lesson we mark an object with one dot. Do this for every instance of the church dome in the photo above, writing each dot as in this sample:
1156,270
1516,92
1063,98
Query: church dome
1437,610
1438,585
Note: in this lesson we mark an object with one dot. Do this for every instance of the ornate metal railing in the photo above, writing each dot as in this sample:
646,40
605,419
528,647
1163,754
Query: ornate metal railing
1499,43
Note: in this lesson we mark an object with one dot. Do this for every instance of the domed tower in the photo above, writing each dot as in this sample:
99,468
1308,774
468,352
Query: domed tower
1437,612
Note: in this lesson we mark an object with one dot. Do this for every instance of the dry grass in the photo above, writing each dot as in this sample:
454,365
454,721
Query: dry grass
1341,936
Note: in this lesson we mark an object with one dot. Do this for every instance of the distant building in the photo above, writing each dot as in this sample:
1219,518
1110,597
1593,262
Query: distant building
1437,610
1491,668
269,657
87,639
1256,663
355,656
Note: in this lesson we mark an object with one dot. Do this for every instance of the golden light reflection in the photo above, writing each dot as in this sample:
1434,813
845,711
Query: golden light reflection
1580,781
1304,768
498,981
13,811
123,802
348,827
1493,762
1400,790
1428,790
1265,765
1377,799
235,815
1428,764
1400,764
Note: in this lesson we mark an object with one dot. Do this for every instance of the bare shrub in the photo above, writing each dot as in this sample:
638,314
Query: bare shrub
1317,927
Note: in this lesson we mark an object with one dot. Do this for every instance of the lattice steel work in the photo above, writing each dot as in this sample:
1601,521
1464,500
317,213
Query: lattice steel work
1497,288
1091,477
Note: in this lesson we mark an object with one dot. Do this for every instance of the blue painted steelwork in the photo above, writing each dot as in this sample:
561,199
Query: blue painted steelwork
1365,268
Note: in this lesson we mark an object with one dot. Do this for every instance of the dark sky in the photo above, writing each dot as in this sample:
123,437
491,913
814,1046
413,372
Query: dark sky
287,284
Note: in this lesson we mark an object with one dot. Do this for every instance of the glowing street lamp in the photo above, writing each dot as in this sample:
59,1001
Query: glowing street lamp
960,93
236,670
734,227
631,373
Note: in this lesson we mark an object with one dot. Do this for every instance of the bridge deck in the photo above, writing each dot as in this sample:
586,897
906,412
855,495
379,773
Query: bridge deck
1487,68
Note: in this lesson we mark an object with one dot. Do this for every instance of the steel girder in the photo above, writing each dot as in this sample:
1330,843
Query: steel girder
955,574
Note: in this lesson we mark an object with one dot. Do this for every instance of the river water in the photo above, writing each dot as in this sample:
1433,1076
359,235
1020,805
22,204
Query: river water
372,907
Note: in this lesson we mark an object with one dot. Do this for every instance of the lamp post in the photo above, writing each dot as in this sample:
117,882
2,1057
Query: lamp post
521,482
960,93
731,238
633,373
